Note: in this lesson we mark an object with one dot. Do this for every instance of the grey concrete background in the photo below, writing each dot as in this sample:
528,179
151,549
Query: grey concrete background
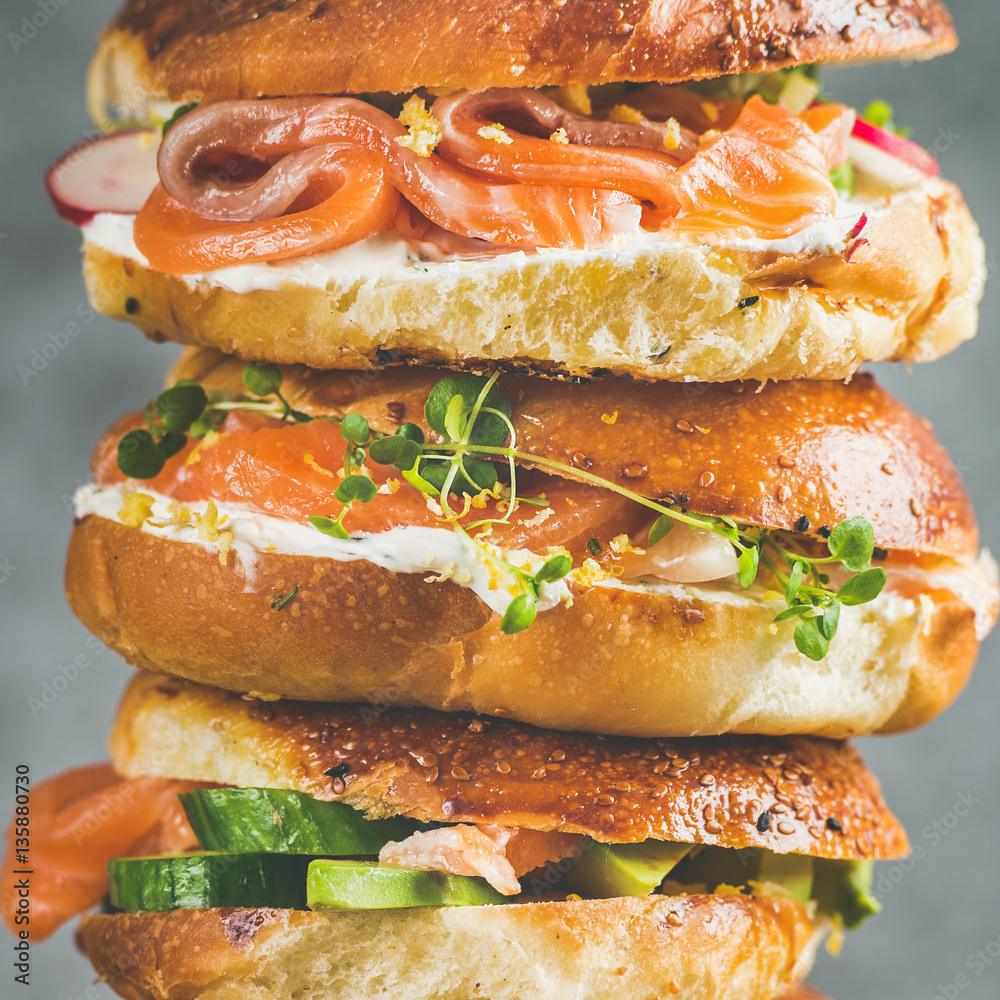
940,908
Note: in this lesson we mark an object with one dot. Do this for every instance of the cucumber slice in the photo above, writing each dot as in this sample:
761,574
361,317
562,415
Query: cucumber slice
360,885
276,820
178,881
604,871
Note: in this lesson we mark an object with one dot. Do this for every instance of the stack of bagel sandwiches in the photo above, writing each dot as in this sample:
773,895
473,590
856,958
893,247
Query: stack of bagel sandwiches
515,544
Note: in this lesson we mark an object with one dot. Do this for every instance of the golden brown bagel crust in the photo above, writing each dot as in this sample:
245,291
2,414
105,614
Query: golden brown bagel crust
702,947
622,662
253,48
910,294
765,455
448,767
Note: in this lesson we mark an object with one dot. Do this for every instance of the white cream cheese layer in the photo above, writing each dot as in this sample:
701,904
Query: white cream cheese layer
438,553
390,256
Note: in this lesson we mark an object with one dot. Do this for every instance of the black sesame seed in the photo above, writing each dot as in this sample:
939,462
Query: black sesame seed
878,553
824,531
384,357
764,822
339,771
834,824
802,524
131,306
750,300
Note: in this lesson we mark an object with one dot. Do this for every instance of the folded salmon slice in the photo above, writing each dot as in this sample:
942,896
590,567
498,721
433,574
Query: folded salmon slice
499,854
80,820
326,172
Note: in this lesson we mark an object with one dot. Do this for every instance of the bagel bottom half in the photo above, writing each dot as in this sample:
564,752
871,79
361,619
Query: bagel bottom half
621,662
718,947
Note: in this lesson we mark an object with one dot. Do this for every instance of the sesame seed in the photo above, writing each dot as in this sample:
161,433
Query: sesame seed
708,780
802,524
713,828
431,776
674,920
339,787
782,493
834,824
604,800
786,462
503,767
706,479
916,508
340,771
684,427
634,470
659,791
460,774
693,615
557,756
539,774
786,828
764,822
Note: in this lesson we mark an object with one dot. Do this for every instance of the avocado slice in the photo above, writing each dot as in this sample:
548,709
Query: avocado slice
844,888
604,871
360,885
281,821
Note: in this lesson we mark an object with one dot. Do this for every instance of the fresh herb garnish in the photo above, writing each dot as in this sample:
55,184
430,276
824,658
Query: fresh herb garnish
282,599
178,114
473,418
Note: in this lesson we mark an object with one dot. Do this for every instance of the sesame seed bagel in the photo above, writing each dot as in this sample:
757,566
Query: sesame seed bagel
700,947
453,768
763,455
617,661
655,312
186,51
673,661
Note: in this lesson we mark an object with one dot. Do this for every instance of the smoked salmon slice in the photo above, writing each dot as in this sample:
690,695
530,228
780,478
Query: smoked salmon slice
80,820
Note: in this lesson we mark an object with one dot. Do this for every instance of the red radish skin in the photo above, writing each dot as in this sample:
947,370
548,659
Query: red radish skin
105,173
895,145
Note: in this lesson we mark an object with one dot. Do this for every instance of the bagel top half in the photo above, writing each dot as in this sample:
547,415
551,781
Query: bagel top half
186,51
249,599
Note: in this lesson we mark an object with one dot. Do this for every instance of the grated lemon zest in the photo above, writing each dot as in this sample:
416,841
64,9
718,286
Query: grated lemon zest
424,131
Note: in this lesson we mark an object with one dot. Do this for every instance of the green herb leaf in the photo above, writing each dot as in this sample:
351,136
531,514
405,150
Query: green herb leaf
399,451
181,406
810,641
139,457
299,417
852,543
171,443
795,611
662,527
354,429
178,114
282,599
490,430
418,481
328,526
262,379
794,582
843,179
481,475
455,418
829,620
555,569
747,565
519,615
411,432
359,488
864,587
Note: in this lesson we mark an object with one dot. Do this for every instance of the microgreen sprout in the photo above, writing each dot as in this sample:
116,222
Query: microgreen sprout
473,419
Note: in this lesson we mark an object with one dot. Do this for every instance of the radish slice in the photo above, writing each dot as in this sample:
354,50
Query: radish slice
890,157
109,173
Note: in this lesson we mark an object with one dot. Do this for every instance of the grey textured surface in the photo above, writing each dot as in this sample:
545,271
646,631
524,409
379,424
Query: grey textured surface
941,908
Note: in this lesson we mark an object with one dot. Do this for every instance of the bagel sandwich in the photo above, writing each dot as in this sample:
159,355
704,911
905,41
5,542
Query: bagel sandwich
614,557
646,190
515,862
